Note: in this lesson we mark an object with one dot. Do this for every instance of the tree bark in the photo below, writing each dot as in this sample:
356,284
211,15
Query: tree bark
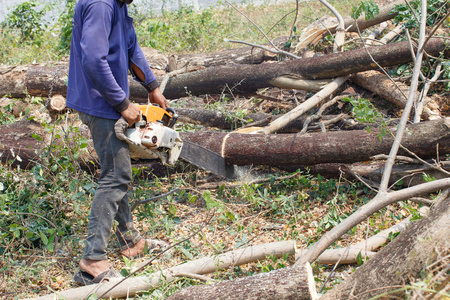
401,260
314,148
37,80
273,285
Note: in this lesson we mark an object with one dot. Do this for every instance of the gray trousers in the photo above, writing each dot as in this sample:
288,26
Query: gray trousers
111,200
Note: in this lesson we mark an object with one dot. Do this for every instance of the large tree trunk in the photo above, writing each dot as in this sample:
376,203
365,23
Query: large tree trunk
314,148
272,149
400,261
37,80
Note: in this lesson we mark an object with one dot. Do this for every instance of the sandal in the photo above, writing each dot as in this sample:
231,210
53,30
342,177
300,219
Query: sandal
84,278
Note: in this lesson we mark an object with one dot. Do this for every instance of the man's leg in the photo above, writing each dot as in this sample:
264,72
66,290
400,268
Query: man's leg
110,201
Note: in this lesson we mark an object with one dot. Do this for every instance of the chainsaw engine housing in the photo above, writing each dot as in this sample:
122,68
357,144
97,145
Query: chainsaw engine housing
153,140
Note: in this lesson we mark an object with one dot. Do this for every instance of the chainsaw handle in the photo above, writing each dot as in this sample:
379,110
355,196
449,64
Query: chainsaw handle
174,116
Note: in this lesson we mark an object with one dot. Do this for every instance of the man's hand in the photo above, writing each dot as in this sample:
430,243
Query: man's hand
132,114
157,97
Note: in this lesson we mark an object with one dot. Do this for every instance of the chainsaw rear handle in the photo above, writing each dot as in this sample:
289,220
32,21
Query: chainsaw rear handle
174,118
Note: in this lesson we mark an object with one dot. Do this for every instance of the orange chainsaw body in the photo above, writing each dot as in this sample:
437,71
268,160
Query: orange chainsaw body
153,113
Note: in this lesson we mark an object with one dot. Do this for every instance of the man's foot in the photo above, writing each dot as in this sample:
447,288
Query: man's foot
95,271
138,249
94,267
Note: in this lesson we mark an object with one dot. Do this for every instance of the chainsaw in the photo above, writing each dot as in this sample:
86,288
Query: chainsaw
153,137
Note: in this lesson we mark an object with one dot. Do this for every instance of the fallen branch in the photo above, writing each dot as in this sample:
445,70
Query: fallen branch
210,264
365,248
304,107
378,202
401,261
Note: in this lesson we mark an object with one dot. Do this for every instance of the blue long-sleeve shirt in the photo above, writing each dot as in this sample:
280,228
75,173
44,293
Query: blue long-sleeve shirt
103,46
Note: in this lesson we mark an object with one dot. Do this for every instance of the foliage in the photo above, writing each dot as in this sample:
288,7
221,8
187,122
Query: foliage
29,21
65,23
34,204
409,14
366,113
182,30
368,7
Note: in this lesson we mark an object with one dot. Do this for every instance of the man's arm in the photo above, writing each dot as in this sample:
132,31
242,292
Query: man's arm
155,96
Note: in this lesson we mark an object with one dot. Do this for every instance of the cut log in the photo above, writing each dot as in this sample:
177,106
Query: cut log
272,150
314,148
23,142
272,285
249,78
33,80
57,104
409,173
400,261
381,85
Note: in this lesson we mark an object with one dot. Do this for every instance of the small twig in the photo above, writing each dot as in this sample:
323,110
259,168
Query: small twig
380,288
321,110
421,100
436,166
233,185
139,202
259,29
193,276
427,202
363,181
167,76
400,158
276,51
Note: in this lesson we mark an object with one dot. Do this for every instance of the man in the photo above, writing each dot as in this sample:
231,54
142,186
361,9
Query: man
104,48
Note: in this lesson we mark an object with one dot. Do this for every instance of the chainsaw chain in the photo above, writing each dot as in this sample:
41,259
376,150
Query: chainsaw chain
52,86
